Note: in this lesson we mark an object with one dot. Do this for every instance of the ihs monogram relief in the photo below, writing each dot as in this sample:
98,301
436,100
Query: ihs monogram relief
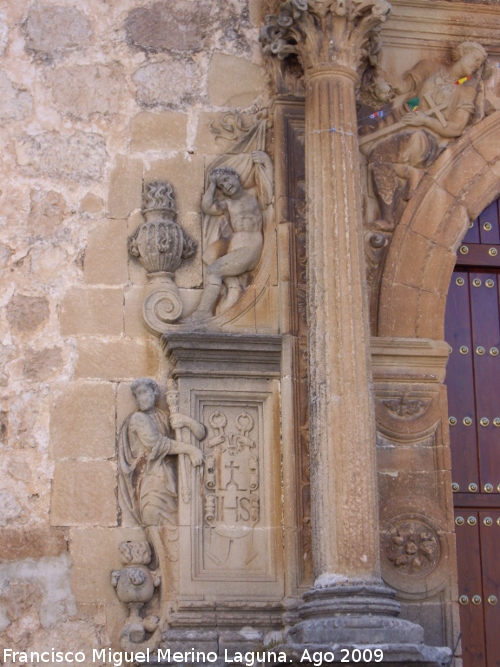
231,490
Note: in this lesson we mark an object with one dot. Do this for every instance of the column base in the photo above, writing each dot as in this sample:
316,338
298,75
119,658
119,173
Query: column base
355,615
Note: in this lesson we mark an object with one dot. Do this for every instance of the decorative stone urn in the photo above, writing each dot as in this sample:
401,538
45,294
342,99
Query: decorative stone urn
135,586
160,244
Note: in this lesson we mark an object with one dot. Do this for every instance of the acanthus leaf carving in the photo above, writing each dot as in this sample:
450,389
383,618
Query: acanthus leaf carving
324,32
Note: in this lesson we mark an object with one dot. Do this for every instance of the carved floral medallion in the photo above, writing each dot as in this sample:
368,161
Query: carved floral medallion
413,548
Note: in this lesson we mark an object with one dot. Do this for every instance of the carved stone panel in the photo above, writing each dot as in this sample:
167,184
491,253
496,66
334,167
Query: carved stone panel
234,543
230,532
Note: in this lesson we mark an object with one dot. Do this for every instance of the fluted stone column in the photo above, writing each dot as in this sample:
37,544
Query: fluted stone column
348,603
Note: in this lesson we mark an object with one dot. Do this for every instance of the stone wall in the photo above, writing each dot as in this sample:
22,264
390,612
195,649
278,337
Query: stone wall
94,97
97,98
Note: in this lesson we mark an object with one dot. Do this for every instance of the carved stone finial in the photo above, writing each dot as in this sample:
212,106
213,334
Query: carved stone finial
324,32
160,244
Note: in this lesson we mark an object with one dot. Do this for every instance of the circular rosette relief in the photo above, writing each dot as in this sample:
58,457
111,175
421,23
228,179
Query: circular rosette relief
162,308
412,554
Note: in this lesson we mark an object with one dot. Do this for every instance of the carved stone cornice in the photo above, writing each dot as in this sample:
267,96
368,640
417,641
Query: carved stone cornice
325,32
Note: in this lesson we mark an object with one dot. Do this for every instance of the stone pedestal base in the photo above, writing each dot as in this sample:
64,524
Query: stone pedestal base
361,616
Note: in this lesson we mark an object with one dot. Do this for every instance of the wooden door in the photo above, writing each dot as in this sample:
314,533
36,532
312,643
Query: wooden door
473,380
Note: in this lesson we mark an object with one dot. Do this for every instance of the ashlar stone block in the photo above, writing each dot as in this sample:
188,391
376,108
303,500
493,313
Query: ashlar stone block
82,422
158,131
84,494
92,311
234,81
119,359
106,257
125,187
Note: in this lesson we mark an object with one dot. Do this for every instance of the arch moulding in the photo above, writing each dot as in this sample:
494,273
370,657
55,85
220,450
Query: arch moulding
459,185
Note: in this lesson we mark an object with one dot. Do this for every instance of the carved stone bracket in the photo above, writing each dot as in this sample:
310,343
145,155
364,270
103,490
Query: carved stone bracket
135,586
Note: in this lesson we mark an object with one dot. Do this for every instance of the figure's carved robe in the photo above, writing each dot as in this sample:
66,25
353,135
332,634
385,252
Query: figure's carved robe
418,147
148,481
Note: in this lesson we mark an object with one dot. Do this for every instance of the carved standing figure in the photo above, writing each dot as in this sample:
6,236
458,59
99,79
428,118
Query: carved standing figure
229,257
439,102
148,478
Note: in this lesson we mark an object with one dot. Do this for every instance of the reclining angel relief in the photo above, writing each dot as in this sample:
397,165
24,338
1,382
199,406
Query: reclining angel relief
434,105
238,193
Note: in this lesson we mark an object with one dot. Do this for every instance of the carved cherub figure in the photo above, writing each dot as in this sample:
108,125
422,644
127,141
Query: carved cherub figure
147,465
438,103
229,258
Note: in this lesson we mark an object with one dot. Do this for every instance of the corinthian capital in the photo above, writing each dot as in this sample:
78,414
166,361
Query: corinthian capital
324,32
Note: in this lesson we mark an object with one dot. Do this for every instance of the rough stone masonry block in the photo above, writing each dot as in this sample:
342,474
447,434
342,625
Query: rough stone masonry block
92,311
158,131
106,255
80,157
26,313
233,81
116,360
162,26
82,422
34,543
83,90
84,494
16,104
51,28
125,187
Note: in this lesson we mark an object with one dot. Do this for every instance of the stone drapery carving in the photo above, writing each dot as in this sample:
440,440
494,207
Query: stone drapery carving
435,104
239,189
147,473
135,586
160,245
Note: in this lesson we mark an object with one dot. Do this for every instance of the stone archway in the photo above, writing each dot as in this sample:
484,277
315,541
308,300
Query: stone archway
459,185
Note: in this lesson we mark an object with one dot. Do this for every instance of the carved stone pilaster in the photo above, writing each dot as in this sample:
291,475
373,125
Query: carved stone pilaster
348,602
